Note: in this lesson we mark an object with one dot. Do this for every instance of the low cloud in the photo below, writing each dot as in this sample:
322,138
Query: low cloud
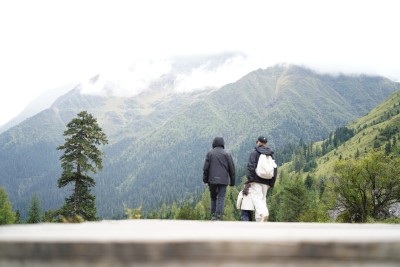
194,73
125,82
188,73
210,75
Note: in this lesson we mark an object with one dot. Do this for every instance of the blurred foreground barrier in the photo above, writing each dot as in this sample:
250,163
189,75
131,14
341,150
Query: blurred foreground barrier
197,243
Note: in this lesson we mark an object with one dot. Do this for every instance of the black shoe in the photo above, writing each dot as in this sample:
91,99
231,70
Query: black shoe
213,217
219,217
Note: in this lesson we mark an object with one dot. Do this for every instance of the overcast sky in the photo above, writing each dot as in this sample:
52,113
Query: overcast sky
46,44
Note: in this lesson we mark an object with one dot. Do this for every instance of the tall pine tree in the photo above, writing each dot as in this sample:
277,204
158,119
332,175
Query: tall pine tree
7,216
34,213
80,157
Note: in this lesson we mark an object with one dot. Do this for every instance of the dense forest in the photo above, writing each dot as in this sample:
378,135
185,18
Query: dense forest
294,106
301,194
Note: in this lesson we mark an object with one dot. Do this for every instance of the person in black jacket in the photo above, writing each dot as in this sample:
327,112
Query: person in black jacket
259,186
218,173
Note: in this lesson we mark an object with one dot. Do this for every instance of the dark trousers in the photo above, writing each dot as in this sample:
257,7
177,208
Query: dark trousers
247,215
217,195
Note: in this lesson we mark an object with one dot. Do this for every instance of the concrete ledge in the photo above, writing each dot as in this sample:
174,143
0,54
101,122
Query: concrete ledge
194,243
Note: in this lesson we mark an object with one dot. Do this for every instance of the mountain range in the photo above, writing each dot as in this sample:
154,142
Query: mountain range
159,137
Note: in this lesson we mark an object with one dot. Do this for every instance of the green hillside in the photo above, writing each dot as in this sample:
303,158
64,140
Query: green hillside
304,188
158,139
372,132
286,103
351,176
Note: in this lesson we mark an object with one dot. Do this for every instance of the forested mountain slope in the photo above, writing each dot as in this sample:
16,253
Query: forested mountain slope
158,139
377,130
351,176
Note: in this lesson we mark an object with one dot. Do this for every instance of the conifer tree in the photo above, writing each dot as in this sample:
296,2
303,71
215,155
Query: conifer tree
80,157
294,201
7,216
17,217
309,182
34,213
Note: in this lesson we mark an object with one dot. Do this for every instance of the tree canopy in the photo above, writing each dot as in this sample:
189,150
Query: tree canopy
81,156
34,213
7,216
367,187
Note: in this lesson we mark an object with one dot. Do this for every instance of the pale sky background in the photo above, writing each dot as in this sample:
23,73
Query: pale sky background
47,44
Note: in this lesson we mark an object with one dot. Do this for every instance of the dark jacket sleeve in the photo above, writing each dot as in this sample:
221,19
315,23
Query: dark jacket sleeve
206,168
272,181
231,170
251,167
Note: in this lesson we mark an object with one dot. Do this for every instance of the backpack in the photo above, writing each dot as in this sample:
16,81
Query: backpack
265,166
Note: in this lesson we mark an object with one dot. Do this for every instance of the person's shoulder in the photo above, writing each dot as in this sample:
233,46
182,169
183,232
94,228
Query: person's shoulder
227,153
253,154
265,150
209,152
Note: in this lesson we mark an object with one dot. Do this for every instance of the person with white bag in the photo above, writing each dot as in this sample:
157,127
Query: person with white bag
261,174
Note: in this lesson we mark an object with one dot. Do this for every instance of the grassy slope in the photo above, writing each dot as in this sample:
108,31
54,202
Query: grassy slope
367,128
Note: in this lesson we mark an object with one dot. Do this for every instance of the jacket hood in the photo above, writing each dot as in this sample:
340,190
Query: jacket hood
218,141
264,150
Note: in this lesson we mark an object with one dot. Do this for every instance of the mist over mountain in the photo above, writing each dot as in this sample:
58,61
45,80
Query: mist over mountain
188,73
159,134
40,103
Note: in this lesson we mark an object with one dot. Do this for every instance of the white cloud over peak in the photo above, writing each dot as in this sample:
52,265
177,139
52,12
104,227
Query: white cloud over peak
210,75
129,81
48,43
207,72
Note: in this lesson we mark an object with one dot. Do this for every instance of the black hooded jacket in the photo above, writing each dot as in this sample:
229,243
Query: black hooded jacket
218,165
252,165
